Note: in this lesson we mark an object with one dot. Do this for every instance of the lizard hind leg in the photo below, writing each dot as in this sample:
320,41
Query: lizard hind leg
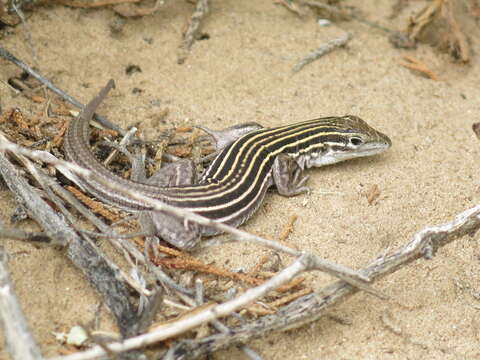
177,232
182,234
223,138
181,172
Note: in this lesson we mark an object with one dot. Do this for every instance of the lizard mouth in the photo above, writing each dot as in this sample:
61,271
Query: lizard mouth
373,148
332,157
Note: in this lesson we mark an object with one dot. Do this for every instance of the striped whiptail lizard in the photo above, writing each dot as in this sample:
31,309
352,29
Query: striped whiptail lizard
250,160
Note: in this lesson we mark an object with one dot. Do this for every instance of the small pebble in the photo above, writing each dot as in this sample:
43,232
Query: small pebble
324,22
77,336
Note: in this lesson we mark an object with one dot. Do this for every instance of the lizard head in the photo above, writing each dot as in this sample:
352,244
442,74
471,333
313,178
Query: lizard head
348,137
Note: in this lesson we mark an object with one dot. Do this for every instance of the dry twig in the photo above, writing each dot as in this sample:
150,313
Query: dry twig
329,46
127,138
184,261
96,206
288,228
372,193
87,4
17,234
19,341
201,10
313,306
418,66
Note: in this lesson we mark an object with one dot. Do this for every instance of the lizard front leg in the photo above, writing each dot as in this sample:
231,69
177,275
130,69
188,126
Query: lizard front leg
287,176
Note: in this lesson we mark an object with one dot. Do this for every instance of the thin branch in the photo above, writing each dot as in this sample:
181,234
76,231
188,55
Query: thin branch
87,4
77,205
201,10
20,342
311,307
17,234
184,324
329,46
27,30
124,142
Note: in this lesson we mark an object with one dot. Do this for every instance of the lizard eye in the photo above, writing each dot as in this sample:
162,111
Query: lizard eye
356,141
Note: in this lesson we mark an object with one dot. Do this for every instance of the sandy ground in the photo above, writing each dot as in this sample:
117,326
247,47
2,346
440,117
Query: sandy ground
243,73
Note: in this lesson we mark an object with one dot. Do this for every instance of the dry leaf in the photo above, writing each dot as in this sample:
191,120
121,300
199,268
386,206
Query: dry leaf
373,193
417,65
